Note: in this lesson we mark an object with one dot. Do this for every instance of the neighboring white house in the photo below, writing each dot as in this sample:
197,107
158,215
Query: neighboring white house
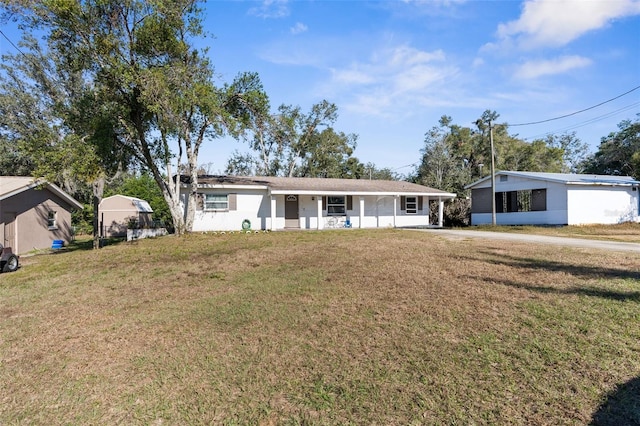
531,198
224,203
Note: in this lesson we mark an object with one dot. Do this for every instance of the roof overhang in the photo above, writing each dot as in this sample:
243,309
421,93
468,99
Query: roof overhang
319,193
52,187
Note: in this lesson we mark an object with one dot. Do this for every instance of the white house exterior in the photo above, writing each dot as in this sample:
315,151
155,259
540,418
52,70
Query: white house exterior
224,203
531,198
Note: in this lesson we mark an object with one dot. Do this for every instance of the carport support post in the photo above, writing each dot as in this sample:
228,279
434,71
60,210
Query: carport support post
361,224
440,212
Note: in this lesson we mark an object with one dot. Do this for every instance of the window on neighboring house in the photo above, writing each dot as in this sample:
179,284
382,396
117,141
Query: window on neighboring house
411,205
52,222
216,202
336,206
527,200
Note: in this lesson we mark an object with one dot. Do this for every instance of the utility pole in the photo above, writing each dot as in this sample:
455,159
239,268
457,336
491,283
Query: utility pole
493,177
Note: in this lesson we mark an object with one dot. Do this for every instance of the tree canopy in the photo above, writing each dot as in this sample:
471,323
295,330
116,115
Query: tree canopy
146,78
293,143
618,152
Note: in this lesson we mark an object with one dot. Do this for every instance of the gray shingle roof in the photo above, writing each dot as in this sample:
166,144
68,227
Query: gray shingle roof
323,185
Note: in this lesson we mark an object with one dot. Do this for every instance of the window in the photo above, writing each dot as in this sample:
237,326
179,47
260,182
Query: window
528,200
216,202
411,205
336,206
52,220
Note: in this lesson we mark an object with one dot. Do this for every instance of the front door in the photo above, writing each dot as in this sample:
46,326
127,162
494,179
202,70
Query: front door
291,213
9,220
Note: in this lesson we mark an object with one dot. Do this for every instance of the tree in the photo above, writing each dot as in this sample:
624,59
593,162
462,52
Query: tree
574,152
618,153
329,154
150,81
292,143
52,119
371,171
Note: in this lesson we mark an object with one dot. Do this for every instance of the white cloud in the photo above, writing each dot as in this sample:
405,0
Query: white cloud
397,78
534,69
271,9
558,22
299,28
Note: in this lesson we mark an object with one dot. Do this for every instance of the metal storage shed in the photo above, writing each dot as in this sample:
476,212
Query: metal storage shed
120,212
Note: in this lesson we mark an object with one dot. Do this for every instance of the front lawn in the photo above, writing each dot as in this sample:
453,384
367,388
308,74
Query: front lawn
331,327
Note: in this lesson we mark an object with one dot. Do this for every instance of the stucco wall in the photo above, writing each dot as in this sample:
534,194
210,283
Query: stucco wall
255,205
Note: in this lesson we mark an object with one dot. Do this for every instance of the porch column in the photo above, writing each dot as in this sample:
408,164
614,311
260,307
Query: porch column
273,212
361,224
395,208
319,202
440,212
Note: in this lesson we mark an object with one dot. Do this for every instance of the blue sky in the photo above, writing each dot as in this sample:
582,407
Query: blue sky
394,68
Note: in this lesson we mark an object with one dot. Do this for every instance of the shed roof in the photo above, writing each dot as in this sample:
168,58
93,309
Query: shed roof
13,185
140,205
318,186
566,178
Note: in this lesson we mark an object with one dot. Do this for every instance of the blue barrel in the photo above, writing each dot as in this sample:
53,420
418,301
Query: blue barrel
57,244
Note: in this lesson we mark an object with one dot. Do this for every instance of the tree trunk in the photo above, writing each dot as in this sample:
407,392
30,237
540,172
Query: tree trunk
98,192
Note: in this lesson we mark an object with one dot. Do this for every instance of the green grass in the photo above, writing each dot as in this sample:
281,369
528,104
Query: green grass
335,327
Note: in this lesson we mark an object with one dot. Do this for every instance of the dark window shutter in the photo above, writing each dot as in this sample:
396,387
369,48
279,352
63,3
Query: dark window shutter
324,203
233,202
403,202
420,203
349,202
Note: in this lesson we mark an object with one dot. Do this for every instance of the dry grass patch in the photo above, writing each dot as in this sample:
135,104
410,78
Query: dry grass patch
375,327
625,232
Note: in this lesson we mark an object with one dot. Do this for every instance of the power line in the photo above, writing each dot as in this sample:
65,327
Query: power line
584,123
11,43
577,112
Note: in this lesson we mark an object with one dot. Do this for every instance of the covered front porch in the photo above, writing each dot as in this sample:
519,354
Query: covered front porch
331,210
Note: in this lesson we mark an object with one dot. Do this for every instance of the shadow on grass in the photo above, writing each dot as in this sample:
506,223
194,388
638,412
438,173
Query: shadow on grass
622,406
87,244
551,265
574,270
633,296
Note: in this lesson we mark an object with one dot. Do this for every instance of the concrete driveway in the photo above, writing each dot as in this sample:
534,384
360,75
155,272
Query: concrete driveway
538,239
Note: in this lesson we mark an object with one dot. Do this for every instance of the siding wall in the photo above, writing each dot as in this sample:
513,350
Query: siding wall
556,213
607,205
31,208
